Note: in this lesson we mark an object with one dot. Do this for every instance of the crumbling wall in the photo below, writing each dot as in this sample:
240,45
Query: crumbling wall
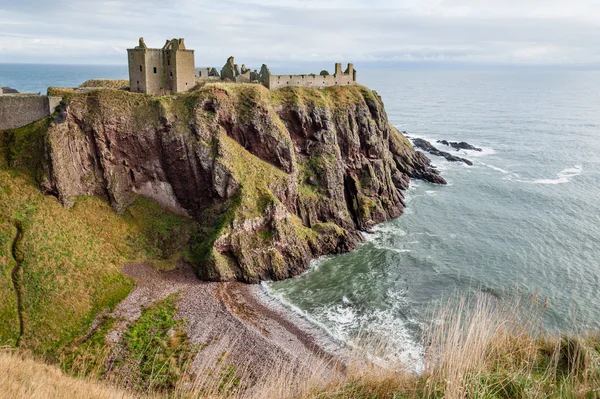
18,110
228,72
202,72
339,78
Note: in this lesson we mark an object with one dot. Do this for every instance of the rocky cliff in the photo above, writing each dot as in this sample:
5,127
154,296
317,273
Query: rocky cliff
273,178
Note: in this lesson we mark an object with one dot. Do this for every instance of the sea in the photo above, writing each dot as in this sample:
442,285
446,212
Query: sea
524,218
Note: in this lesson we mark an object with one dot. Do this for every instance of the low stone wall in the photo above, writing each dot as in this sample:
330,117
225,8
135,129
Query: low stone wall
18,110
317,81
339,78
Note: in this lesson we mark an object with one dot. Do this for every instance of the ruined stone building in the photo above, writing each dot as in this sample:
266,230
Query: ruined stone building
233,73
339,78
171,70
206,73
161,71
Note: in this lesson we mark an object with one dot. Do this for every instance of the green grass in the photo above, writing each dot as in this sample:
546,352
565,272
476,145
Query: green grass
24,148
159,345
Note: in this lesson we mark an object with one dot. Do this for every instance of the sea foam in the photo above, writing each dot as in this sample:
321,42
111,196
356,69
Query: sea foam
563,176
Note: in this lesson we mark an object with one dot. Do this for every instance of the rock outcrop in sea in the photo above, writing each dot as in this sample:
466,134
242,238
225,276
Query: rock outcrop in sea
427,146
272,178
461,145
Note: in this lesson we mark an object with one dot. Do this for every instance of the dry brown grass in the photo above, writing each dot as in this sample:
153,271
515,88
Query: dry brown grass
24,378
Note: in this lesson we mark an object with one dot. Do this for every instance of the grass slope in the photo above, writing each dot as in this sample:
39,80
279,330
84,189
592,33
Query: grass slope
72,258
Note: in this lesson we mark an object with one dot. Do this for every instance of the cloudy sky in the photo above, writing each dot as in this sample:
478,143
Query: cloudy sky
281,32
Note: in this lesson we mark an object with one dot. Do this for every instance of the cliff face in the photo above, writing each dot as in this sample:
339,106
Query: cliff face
273,178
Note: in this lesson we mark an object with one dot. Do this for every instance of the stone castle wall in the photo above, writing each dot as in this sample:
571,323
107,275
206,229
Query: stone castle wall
318,81
339,78
18,110
137,71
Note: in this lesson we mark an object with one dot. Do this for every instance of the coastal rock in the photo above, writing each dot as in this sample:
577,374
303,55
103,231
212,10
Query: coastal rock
273,178
427,146
460,145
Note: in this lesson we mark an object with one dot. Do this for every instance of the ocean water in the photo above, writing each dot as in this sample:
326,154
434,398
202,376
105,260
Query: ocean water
524,218
36,78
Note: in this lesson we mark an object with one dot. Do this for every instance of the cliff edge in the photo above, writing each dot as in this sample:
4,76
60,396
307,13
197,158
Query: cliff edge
273,179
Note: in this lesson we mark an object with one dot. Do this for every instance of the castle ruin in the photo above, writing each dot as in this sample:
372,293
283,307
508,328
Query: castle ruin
171,70
339,78
161,71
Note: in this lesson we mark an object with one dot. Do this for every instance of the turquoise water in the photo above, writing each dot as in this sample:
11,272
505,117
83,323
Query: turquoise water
526,215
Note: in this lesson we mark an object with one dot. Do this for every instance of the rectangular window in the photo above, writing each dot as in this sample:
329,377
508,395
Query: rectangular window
169,61
154,69
140,68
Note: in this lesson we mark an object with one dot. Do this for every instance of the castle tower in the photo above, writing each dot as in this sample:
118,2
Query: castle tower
338,69
351,71
161,71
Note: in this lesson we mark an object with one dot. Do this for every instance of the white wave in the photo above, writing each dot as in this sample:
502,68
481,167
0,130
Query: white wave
562,177
431,193
315,264
485,151
290,306
497,169
396,250
385,230
342,323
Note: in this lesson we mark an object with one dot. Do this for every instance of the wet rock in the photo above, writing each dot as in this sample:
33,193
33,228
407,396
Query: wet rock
460,145
428,147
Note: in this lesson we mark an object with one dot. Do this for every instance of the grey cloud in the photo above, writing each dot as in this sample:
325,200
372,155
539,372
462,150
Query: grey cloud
286,31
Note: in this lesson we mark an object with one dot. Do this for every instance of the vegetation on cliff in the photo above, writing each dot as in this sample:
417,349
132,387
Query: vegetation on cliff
70,259
273,178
